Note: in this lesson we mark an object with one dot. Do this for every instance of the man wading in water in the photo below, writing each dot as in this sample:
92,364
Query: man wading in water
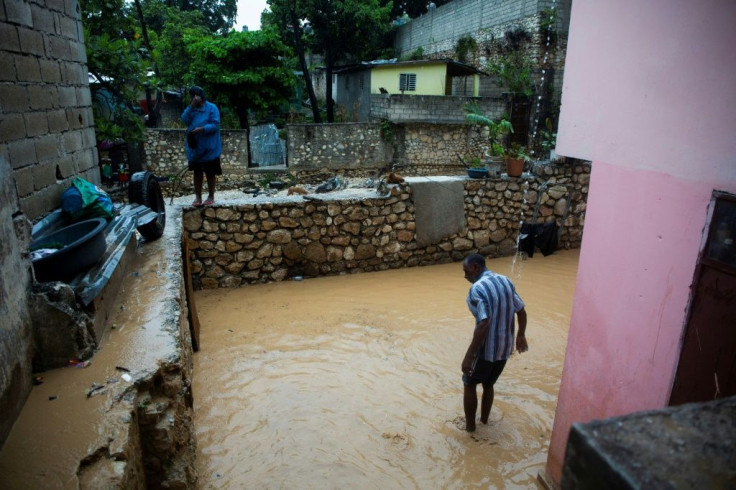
493,302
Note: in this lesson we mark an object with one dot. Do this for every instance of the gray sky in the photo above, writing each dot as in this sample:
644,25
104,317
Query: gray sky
249,13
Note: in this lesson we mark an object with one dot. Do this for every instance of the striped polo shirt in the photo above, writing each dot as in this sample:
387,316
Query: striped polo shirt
493,296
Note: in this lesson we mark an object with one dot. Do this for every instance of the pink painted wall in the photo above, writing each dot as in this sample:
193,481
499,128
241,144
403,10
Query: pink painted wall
650,97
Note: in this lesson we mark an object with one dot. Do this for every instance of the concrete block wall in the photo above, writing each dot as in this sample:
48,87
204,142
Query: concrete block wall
46,125
400,108
15,327
446,24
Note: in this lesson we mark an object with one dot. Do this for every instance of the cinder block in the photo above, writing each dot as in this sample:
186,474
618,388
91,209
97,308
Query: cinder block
50,72
68,27
7,73
18,12
57,121
31,42
43,19
71,141
44,174
77,51
87,160
55,5
13,98
27,68
84,96
12,127
67,96
42,97
21,153
9,38
71,8
37,123
42,201
57,47
76,117
47,147
24,181
67,169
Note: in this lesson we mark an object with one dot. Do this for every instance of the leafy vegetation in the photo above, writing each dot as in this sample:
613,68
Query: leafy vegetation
498,129
465,48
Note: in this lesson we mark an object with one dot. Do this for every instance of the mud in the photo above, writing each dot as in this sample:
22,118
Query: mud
355,380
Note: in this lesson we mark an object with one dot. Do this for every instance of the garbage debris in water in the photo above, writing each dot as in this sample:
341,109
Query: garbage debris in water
127,377
95,389
53,397
78,364
38,380
121,368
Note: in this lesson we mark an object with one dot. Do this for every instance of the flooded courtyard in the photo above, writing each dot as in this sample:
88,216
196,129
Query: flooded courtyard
355,381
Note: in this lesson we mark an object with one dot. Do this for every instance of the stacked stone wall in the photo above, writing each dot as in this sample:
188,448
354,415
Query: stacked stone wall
166,157
263,242
47,129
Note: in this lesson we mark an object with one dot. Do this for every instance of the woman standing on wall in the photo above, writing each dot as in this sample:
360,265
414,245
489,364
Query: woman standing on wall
203,145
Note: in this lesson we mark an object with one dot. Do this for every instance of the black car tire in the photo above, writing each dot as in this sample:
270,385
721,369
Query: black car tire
145,189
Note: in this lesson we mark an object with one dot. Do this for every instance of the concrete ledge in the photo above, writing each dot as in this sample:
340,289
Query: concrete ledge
688,446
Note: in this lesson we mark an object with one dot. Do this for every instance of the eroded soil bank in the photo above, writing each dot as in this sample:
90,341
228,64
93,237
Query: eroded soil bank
354,381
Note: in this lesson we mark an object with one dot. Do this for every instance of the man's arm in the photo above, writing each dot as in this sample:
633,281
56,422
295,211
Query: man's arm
521,345
479,335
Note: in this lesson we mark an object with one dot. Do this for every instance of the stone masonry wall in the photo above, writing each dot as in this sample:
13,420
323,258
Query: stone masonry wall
165,154
263,242
364,149
46,129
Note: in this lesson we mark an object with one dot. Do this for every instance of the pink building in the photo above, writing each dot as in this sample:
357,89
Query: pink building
650,97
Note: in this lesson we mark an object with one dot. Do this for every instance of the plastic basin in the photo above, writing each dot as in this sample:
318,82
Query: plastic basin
83,245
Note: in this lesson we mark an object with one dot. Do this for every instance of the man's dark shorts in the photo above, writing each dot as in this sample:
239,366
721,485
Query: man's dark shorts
485,372
210,167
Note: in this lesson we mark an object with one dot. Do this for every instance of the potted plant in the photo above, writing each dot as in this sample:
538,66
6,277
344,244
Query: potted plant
477,169
516,156
497,129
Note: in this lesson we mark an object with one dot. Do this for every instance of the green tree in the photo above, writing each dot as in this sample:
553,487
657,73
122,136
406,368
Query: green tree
217,16
346,30
243,70
287,17
339,30
116,59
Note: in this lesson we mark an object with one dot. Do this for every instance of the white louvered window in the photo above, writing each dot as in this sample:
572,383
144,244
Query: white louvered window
408,81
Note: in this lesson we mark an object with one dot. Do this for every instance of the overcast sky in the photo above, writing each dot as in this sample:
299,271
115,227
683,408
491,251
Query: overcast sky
249,14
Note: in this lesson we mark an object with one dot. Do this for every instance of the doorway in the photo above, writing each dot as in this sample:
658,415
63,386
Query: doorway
707,367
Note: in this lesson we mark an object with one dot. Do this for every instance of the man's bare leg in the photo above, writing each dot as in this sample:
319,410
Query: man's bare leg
486,402
470,404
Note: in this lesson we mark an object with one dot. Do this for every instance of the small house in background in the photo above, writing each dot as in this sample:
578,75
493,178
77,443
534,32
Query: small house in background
352,86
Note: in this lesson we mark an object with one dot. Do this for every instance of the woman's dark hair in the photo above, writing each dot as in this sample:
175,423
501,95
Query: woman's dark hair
196,90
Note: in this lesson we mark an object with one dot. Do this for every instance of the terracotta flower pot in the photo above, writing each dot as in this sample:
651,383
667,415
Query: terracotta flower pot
514,166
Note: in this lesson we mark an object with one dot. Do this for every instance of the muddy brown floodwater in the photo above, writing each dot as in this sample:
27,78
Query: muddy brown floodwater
355,382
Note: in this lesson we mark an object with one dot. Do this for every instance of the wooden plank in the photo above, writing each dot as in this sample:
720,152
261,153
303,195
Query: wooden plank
192,315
